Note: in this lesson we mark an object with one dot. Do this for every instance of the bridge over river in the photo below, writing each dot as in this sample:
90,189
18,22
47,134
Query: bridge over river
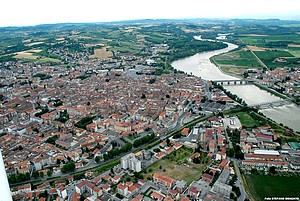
272,104
233,82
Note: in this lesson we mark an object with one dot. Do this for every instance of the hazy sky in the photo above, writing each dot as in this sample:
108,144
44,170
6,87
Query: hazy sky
32,12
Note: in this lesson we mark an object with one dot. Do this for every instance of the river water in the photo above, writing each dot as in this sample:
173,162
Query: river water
200,65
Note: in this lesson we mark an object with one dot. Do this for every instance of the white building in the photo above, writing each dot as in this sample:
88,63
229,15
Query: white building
125,160
266,152
135,165
131,162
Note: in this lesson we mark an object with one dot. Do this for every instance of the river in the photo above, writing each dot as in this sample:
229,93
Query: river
200,65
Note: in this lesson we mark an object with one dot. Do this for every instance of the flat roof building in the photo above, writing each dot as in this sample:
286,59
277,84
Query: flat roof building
266,152
294,145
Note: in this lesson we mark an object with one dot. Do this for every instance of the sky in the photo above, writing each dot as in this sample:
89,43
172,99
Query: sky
34,12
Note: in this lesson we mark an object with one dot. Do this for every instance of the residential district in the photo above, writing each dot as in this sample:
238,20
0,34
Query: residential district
58,121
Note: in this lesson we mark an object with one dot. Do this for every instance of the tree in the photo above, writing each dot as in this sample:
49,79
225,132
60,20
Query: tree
97,159
69,167
44,194
143,96
27,175
168,142
35,174
232,195
230,152
12,178
49,173
254,171
272,170
41,174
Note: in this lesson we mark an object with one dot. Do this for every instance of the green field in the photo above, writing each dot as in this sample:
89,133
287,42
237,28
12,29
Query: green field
236,62
239,58
262,186
45,60
268,58
246,120
271,55
271,41
294,51
177,167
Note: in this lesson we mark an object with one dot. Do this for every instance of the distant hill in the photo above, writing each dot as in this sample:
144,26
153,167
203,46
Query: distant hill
265,22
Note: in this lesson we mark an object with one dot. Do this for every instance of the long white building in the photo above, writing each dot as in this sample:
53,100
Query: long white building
5,194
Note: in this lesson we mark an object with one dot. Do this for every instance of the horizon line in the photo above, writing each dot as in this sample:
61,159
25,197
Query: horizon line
142,19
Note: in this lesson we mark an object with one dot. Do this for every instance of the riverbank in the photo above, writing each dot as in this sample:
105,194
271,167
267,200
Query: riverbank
201,65
270,91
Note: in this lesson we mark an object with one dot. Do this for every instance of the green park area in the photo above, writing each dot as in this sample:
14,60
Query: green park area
262,186
247,120
177,166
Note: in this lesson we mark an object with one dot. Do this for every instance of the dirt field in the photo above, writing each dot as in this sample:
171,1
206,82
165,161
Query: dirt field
255,35
254,48
27,54
175,171
33,51
293,45
101,54
35,43
60,39
93,45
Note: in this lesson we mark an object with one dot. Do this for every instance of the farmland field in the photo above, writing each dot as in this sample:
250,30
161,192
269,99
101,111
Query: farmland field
45,60
262,186
271,41
236,62
240,58
268,58
271,55
29,54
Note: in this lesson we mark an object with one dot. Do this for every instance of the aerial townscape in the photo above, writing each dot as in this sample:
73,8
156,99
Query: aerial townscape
140,110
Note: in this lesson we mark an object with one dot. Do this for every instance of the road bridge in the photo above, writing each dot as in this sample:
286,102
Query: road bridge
233,82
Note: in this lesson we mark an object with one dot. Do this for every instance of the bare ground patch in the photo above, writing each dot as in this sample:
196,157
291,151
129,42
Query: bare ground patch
34,43
93,45
229,69
101,54
255,35
293,45
60,39
254,48
27,54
